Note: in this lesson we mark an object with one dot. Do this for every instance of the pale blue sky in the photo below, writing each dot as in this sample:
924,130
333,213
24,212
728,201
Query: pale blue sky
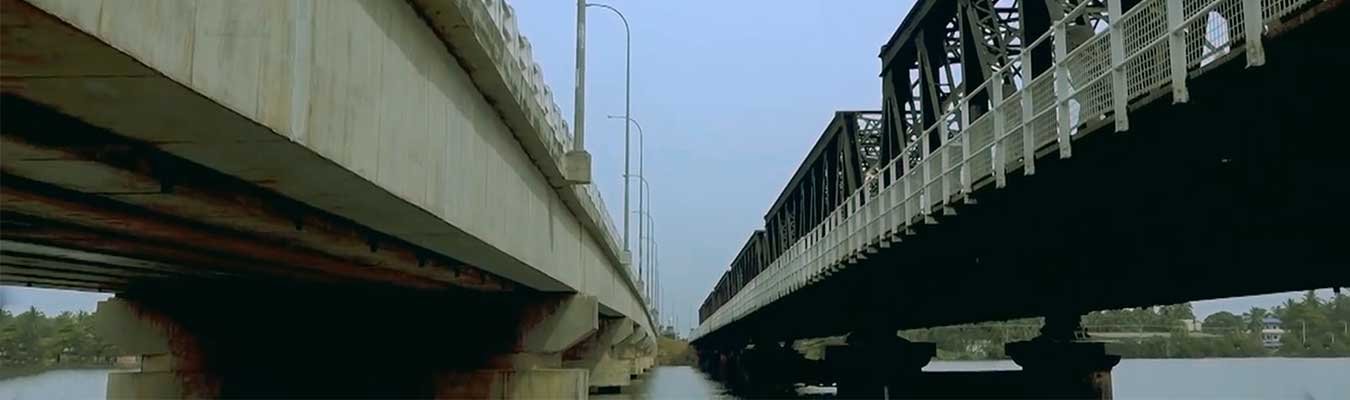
732,95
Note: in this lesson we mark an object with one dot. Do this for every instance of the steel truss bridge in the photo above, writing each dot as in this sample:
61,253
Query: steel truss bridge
990,185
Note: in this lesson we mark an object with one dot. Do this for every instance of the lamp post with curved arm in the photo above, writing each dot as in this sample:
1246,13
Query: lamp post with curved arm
627,109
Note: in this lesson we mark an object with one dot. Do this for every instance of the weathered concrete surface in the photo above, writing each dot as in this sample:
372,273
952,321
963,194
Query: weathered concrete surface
514,384
562,325
605,354
289,341
354,107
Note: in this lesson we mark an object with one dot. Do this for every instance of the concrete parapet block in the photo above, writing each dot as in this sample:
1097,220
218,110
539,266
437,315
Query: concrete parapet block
578,167
567,383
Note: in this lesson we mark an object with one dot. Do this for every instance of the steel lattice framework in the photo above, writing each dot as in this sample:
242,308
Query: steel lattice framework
845,158
971,90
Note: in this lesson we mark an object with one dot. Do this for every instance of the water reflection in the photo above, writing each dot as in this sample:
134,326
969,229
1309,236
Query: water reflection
1251,378
671,383
69,384
1228,378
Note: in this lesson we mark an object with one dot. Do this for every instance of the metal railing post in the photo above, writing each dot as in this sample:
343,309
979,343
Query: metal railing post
1119,91
966,184
1062,90
999,165
1176,51
1028,137
1252,24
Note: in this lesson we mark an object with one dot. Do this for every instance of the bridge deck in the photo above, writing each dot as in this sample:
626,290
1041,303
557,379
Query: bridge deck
323,140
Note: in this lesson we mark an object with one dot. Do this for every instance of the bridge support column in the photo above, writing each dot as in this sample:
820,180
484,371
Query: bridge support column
531,383
1055,365
879,367
170,365
199,342
632,350
549,329
645,363
609,356
767,369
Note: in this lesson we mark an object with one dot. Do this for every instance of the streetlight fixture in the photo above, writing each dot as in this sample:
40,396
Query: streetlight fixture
577,162
642,140
647,255
627,98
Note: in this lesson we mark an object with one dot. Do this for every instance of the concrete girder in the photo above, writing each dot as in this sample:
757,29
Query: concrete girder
289,112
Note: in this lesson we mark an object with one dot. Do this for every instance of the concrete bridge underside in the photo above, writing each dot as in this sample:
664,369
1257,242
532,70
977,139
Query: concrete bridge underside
309,198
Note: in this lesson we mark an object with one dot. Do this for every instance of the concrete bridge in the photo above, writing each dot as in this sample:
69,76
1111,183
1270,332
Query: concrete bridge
329,198
1047,158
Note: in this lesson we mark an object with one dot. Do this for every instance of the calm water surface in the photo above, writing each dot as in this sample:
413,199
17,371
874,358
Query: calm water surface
66,384
1251,378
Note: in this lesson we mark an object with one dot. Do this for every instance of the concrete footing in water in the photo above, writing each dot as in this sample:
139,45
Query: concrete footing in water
1050,369
1055,365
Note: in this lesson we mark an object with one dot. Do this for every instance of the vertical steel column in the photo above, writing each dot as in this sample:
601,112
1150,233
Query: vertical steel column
1035,21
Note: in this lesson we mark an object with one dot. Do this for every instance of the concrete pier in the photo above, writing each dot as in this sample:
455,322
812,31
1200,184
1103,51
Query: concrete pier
213,342
874,364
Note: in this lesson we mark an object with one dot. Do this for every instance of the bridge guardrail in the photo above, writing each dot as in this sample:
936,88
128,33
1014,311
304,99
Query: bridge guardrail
1156,44
507,73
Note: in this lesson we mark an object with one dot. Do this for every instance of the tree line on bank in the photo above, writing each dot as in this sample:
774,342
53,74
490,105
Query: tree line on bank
1312,327
32,339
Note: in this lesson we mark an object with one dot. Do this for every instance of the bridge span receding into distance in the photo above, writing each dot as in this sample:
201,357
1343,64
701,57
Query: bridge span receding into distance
1046,158
334,198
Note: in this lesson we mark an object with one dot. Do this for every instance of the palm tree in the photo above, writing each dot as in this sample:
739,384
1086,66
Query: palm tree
1254,318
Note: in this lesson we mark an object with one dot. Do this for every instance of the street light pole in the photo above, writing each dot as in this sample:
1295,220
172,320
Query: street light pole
577,162
656,274
646,236
627,112
642,140
650,231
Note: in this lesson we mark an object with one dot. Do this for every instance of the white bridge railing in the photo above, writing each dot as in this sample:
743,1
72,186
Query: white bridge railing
1156,44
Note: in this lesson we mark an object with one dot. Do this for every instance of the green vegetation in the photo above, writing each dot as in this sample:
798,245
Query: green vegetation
32,342
1164,332
671,350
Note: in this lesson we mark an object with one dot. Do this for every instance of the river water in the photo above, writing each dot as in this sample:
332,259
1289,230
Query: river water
1251,378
